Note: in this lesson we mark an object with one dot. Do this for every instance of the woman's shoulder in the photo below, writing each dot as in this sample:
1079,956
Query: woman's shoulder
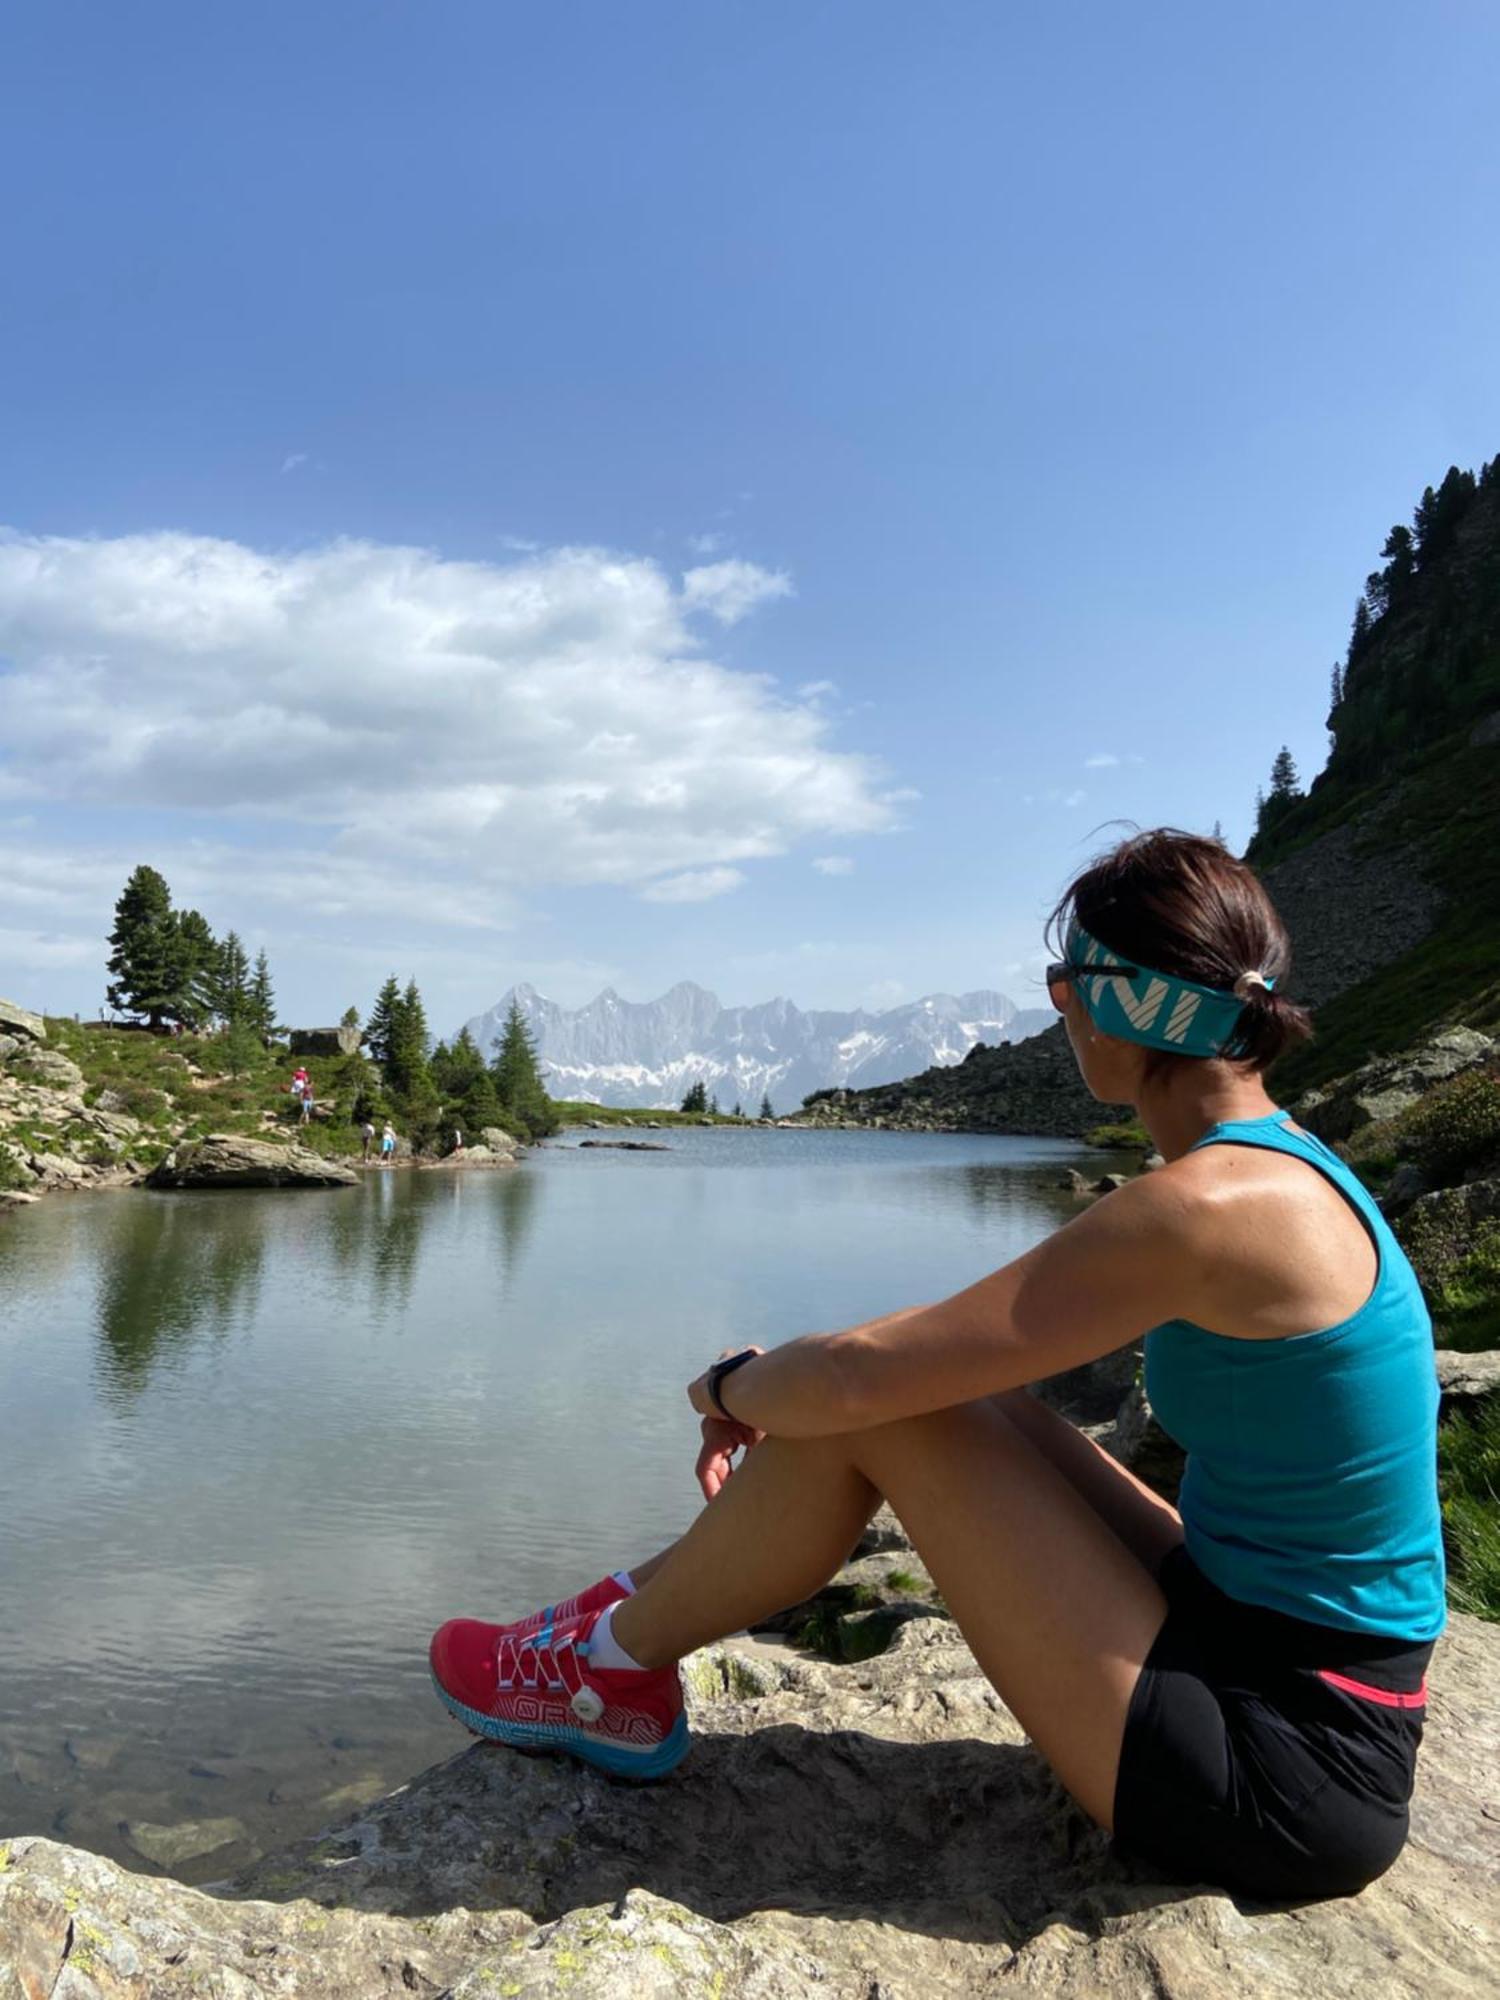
1276,1246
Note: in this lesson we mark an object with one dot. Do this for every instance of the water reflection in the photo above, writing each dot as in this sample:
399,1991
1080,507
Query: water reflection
163,1279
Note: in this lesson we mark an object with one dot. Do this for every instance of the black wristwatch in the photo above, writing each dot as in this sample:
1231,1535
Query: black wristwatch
725,1367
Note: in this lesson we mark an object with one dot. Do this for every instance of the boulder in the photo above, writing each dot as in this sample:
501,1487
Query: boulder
8,1046
47,1066
622,1146
58,1170
1390,1085
325,1041
229,1159
1107,1183
21,1023
497,1140
1466,1379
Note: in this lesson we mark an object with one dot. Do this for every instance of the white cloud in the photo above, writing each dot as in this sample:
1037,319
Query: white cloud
730,590
810,690
1103,762
706,545
834,864
292,460
696,885
423,734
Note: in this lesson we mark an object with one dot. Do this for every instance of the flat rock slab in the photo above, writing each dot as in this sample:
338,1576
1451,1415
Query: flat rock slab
227,1160
838,1831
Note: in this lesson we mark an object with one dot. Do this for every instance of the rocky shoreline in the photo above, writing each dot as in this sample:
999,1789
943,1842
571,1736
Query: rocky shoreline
879,1828
58,1136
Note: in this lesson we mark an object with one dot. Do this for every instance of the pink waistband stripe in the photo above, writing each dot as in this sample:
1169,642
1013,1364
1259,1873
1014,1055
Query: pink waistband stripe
1387,1697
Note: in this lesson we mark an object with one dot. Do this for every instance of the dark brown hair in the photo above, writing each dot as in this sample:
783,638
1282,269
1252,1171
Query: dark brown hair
1184,905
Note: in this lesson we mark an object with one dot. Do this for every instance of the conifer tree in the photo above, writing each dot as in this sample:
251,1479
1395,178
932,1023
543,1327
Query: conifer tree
150,961
380,1033
406,1066
1284,775
695,1101
765,1105
517,1078
262,1008
232,982
201,951
737,1112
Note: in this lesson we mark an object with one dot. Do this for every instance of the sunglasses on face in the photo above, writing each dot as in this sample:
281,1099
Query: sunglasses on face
1060,975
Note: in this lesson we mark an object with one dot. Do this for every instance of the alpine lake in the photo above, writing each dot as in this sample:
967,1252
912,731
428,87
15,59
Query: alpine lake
254,1446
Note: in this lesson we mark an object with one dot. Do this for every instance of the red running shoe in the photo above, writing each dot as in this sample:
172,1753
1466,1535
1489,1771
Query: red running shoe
595,1598
538,1691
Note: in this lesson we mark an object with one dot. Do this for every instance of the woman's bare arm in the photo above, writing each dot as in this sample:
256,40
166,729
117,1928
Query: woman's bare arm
1097,1284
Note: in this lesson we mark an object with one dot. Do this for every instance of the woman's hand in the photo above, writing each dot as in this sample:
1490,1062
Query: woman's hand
722,1436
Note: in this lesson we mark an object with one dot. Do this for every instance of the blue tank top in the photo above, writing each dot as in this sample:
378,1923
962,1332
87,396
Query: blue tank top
1311,1480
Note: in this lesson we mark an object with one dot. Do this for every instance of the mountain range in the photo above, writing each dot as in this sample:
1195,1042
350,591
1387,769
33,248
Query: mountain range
624,1052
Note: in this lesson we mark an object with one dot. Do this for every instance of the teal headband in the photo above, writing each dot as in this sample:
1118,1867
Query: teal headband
1154,1008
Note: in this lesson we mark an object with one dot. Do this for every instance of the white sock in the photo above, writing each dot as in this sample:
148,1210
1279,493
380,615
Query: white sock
623,1578
605,1649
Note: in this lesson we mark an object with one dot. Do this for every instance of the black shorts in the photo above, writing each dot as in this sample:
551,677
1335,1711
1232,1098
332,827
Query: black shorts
1265,1754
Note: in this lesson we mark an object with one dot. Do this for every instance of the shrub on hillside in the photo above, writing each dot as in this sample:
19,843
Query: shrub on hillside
1457,1126
1119,1138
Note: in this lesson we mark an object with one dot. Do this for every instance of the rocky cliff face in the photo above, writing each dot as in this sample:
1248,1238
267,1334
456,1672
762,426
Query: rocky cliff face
1031,1086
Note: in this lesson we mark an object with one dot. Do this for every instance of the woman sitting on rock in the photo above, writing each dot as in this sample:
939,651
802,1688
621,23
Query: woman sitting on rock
1233,1687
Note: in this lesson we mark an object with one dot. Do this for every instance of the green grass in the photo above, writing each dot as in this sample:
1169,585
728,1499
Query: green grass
1469,1484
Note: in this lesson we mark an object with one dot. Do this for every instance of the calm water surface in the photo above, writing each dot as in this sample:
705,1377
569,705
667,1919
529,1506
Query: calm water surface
254,1446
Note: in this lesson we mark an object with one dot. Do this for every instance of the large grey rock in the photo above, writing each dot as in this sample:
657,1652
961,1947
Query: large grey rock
498,1141
1390,1085
20,1022
325,1041
847,1831
229,1159
1466,1379
839,1831
47,1066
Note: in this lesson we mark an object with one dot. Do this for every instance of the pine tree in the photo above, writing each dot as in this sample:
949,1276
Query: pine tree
262,1008
713,1104
1284,775
201,951
380,1034
737,1112
406,1069
695,1102
517,1078
232,982
151,961
765,1106
1218,832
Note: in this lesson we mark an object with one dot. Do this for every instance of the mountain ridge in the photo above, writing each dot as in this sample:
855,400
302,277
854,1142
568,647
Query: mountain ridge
647,1054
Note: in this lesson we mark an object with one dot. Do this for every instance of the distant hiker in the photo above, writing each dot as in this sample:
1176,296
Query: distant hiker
387,1143
366,1139
305,1115
458,1140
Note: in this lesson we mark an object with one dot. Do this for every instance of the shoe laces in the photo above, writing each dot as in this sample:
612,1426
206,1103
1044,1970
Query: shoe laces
550,1660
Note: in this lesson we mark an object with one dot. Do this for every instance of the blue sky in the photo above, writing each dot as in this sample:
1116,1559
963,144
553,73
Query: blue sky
504,491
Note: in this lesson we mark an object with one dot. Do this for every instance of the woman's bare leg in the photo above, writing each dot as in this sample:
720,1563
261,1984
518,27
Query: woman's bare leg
1149,1526
1058,1610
